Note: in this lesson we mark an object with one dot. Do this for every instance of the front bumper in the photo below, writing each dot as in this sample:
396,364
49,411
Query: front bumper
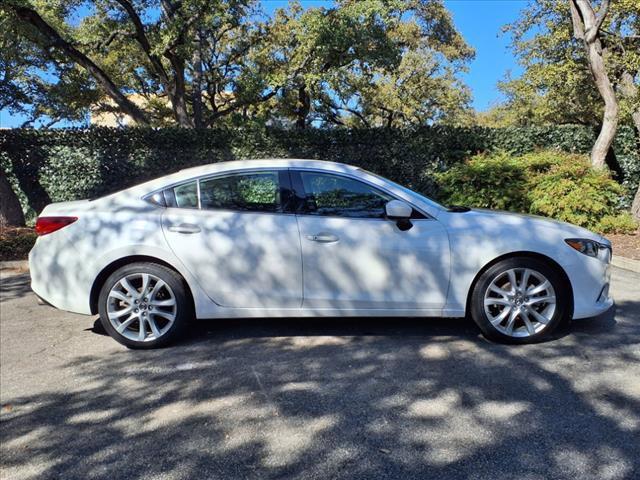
590,278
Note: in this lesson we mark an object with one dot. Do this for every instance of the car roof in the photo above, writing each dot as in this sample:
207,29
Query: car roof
229,166
265,163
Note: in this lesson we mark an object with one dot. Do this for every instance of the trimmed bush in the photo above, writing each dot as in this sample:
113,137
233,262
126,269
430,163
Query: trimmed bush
66,164
553,184
16,243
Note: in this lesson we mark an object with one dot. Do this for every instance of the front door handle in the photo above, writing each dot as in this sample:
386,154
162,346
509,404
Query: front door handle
184,228
323,238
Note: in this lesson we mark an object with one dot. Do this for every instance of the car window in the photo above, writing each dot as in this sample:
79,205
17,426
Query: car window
334,195
186,195
248,192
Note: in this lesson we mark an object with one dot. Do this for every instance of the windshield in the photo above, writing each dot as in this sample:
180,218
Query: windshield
407,190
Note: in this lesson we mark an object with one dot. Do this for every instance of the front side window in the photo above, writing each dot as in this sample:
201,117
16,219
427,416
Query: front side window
334,195
248,192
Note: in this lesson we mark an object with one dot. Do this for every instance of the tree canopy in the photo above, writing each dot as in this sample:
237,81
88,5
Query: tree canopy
196,63
557,85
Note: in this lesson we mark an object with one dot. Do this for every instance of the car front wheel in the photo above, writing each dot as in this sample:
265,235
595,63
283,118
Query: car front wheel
144,305
520,300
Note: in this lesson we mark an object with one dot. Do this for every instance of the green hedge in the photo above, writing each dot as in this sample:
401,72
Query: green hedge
67,164
549,183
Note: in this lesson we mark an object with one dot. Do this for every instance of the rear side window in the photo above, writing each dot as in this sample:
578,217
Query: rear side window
186,195
246,192
334,195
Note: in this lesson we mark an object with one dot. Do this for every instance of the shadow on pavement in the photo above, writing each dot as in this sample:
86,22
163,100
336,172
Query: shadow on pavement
14,285
341,398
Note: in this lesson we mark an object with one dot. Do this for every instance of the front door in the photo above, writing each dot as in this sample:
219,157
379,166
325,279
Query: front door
232,234
354,258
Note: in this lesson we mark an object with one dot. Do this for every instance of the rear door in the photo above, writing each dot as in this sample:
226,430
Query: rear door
355,258
231,231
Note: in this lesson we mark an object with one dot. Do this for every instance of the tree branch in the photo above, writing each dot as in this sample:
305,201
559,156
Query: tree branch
238,105
142,39
577,21
31,17
602,13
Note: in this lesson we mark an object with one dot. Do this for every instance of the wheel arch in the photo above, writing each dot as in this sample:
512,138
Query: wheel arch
538,256
121,262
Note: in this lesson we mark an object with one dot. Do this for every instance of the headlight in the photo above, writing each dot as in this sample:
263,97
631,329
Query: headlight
590,248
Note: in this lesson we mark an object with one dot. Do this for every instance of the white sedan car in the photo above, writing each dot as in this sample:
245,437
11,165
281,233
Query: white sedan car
272,238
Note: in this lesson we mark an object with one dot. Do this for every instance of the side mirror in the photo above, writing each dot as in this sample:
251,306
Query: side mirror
396,209
400,212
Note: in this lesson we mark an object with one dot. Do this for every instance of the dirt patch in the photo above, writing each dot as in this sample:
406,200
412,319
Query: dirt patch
627,246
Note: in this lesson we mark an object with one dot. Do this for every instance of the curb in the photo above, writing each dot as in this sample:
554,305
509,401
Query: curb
22,265
626,263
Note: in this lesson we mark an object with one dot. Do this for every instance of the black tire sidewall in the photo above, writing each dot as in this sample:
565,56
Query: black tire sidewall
563,298
175,282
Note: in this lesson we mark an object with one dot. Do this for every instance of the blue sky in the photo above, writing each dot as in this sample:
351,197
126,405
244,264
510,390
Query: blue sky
480,22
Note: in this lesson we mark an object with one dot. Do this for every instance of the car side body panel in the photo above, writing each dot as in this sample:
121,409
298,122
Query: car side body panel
65,264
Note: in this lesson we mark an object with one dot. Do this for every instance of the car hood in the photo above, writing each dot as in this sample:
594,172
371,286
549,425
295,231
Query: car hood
533,225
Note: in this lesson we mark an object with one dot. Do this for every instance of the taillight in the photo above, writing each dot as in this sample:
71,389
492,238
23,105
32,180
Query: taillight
45,225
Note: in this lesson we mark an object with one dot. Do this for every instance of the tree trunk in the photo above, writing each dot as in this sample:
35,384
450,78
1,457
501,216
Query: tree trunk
629,89
179,97
304,106
635,206
10,209
587,28
33,18
197,83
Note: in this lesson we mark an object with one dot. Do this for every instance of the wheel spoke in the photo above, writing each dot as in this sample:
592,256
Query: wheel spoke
512,280
512,321
538,316
119,296
169,316
123,326
145,283
496,301
156,288
539,288
154,327
131,290
547,299
494,288
120,313
525,279
164,303
527,323
498,320
142,332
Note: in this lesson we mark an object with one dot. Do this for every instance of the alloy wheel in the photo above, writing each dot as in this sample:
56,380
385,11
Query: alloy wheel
141,307
520,302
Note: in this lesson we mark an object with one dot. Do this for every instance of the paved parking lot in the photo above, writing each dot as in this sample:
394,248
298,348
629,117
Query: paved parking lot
313,398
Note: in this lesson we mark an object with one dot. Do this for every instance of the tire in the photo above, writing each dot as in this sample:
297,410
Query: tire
520,315
144,321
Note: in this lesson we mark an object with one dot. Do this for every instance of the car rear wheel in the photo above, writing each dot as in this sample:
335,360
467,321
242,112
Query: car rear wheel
520,300
144,305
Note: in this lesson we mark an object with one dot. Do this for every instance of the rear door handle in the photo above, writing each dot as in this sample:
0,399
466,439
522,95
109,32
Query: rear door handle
323,238
184,228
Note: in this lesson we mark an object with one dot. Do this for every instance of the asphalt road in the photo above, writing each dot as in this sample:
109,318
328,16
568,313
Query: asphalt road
313,398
